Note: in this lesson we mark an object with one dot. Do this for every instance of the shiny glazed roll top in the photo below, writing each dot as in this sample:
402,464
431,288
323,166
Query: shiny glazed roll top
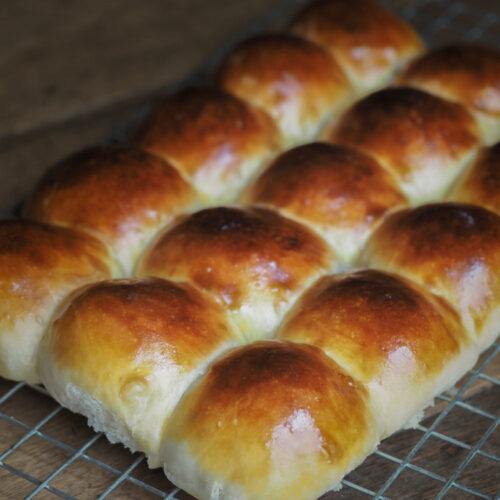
404,344
216,140
339,192
370,43
480,184
123,352
294,81
423,141
254,262
39,266
121,195
451,249
268,420
468,74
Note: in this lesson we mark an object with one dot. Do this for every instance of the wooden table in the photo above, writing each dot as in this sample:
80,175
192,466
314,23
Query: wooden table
75,73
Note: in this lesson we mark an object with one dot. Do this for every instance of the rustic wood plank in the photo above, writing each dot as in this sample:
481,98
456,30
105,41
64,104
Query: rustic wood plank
24,159
67,58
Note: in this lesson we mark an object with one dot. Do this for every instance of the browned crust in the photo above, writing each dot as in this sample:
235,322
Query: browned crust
469,74
365,318
285,75
365,38
481,182
149,323
112,191
237,410
328,184
452,248
230,250
200,128
38,261
406,129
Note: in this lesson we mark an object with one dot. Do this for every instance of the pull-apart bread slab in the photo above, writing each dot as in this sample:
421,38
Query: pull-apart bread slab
277,271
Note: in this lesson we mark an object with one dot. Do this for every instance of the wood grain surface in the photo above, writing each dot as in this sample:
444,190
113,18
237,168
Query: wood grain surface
73,72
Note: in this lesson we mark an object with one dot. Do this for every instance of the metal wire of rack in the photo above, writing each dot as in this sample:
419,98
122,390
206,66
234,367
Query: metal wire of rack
397,461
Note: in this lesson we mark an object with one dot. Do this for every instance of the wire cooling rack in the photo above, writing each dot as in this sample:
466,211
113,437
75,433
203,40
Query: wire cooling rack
48,452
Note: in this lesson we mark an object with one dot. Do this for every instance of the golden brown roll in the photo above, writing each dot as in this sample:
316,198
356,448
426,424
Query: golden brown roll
404,344
468,74
269,420
370,43
121,195
253,261
480,184
294,81
423,140
338,191
39,266
123,352
452,250
216,140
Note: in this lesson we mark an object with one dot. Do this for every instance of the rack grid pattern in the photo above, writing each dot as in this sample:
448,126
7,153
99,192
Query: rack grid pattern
398,461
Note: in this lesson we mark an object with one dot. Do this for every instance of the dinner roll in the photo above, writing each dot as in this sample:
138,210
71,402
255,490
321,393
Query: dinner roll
451,249
338,191
293,80
480,184
468,74
268,420
423,140
404,344
39,266
255,262
121,195
123,352
216,140
370,43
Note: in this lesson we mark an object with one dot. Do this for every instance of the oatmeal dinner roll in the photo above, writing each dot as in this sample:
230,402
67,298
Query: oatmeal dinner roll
423,140
255,262
39,266
370,43
338,191
216,140
451,249
268,420
468,74
480,184
294,81
404,344
121,195
123,352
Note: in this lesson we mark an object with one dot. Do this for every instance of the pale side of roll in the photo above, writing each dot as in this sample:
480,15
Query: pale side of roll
122,353
271,419
39,266
254,262
404,344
